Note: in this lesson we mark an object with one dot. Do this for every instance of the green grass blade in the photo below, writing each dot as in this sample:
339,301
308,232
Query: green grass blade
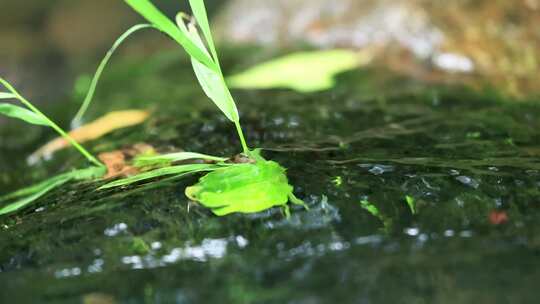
369,207
411,203
29,190
22,114
199,11
4,95
182,169
174,157
30,194
88,173
87,100
211,81
34,193
157,18
50,123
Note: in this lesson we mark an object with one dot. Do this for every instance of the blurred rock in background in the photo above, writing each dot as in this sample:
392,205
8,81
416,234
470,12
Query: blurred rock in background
478,42
494,43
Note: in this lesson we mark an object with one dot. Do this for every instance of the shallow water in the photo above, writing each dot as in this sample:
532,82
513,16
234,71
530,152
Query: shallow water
469,160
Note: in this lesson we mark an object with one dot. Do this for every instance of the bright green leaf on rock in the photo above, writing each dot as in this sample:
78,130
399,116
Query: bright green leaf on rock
304,72
244,188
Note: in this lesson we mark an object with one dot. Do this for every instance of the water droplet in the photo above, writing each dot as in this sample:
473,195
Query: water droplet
116,229
412,231
454,172
468,181
380,169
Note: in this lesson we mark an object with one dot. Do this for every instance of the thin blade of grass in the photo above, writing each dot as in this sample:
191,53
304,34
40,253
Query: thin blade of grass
4,95
31,189
160,172
411,203
76,122
35,193
173,157
369,207
21,113
199,11
157,18
32,193
88,173
211,81
50,123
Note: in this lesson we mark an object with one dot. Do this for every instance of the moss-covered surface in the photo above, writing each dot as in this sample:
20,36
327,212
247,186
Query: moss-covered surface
468,160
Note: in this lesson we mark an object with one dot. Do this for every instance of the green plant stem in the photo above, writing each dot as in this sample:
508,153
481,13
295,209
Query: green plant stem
53,125
241,136
82,110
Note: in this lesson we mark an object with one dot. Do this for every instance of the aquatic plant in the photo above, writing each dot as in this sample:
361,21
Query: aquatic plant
229,187
251,186
33,115
23,197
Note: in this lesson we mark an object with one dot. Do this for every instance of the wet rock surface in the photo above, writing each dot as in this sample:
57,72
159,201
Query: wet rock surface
469,161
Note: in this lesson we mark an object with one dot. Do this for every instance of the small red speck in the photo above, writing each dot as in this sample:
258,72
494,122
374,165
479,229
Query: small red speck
497,217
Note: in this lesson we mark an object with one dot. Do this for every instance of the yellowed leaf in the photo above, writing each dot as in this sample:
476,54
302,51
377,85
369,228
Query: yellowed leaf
109,122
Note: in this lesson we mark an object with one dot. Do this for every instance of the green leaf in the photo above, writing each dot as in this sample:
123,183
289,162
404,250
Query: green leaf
157,18
181,170
90,94
22,114
304,72
173,157
211,81
30,194
49,122
4,95
88,173
245,188
411,203
199,11
369,207
37,192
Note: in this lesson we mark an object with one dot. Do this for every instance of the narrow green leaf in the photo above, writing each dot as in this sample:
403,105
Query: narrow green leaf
35,193
369,207
199,11
304,72
88,173
211,81
157,18
4,95
31,189
50,123
22,114
181,169
411,203
30,194
88,99
173,157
